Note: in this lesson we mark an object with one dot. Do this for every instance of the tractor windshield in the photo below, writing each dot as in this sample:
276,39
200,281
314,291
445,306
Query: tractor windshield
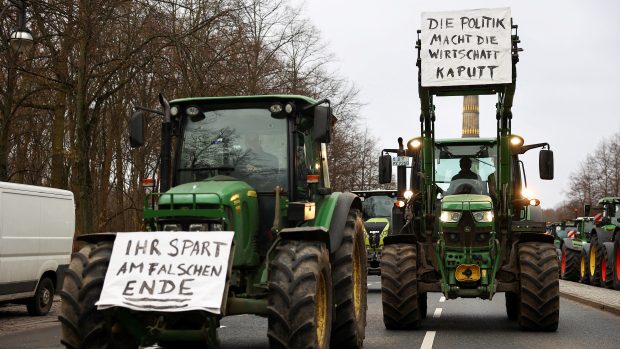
377,206
466,168
247,144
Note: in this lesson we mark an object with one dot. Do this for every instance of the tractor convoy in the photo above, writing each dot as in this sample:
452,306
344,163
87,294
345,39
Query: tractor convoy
588,248
256,168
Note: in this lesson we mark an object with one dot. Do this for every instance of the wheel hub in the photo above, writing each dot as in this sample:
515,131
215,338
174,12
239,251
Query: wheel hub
321,312
357,281
592,260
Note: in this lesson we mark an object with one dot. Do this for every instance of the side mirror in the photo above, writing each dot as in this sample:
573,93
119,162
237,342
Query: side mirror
586,210
385,169
136,129
545,164
322,124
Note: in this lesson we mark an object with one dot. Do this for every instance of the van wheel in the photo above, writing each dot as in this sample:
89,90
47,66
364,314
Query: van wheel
83,326
43,298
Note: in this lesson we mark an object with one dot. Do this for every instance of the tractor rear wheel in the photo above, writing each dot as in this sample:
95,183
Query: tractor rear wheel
83,326
594,261
607,265
584,267
616,263
399,286
349,273
512,305
300,296
570,264
539,308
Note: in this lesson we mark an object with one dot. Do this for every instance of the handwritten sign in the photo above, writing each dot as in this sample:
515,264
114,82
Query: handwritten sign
168,271
471,47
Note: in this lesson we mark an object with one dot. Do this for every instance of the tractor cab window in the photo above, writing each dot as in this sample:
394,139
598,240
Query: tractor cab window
466,168
377,206
247,144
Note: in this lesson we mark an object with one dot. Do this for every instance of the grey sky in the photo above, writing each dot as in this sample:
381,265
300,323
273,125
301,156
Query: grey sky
568,90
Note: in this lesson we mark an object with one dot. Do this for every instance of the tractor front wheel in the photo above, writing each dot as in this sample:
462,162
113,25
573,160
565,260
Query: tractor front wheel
349,272
584,267
607,265
83,326
570,264
594,261
399,287
300,296
539,308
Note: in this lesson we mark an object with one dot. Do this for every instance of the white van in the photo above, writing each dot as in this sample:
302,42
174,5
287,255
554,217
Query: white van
36,236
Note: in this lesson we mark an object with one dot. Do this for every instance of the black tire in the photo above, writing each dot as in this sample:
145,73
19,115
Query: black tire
41,303
594,261
349,273
607,267
300,296
399,287
616,263
584,267
512,305
83,326
569,265
539,307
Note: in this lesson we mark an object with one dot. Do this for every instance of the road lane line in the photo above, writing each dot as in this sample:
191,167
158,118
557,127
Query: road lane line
427,343
437,313
442,299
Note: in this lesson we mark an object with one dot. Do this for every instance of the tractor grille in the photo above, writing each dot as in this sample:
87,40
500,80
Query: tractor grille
466,233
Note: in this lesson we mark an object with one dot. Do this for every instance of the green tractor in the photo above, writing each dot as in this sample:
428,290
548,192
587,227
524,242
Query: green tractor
377,214
468,235
256,166
604,249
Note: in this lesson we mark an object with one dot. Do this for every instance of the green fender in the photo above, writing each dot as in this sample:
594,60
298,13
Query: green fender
333,215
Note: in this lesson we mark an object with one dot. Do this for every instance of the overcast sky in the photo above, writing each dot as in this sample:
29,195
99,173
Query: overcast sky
568,89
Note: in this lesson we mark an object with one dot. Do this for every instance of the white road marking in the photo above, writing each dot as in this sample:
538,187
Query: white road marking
370,283
442,299
427,343
222,326
437,313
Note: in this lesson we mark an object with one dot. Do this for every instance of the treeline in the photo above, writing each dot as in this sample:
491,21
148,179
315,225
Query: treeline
596,177
64,105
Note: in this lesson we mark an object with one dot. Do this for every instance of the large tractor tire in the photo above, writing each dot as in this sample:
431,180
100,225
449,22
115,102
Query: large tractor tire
594,261
570,264
539,308
349,273
584,267
300,296
607,265
83,326
512,305
616,272
399,287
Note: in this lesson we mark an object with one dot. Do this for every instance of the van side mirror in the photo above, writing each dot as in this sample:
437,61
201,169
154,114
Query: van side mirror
385,169
545,164
136,129
322,124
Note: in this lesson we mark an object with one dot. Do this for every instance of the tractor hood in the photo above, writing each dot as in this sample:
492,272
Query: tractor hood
218,190
467,202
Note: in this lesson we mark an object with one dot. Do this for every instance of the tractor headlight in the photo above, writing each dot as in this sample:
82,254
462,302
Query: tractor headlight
199,227
172,227
408,194
483,216
450,216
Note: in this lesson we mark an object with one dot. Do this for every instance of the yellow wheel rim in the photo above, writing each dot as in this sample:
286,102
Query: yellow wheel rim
357,280
592,259
582,267
321,311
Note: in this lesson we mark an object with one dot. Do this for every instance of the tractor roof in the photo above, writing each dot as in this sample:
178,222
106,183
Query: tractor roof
377,192
609,199
245,99
452,141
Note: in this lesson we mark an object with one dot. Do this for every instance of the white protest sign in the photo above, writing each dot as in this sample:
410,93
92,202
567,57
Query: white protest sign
168,271
470,47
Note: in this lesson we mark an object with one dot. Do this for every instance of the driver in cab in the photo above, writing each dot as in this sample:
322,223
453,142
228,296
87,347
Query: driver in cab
465,172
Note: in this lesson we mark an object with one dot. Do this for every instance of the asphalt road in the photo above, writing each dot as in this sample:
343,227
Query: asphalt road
462,323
